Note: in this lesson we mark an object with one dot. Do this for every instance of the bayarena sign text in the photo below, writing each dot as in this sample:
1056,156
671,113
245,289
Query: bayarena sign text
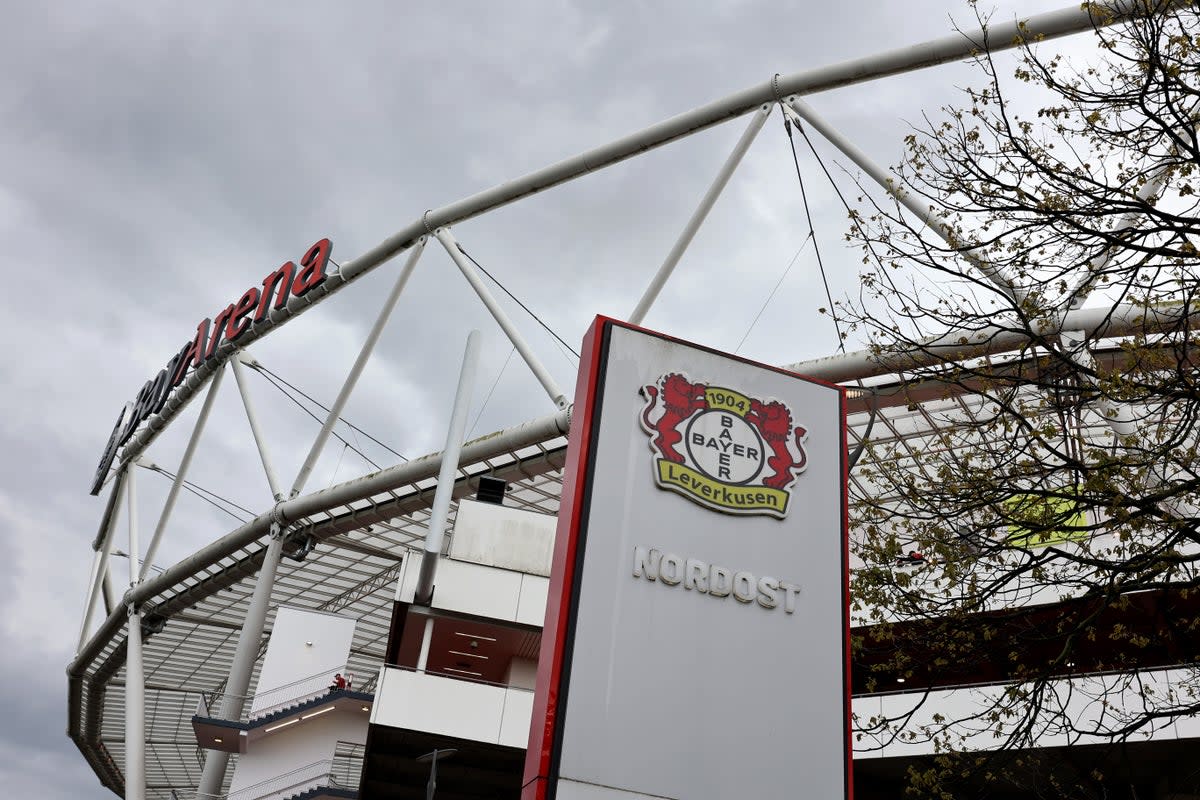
252,310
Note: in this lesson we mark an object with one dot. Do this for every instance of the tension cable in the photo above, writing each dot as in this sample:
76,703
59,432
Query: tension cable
536,318
812,233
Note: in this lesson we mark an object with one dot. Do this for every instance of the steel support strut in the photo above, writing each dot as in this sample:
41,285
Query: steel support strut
1079,292
999,278
132,517
94,580
701,212
1118,417
239,376
181,472
449,466
135,709
103,551
244,656
355,371
135,678
110,602
426,639
535,366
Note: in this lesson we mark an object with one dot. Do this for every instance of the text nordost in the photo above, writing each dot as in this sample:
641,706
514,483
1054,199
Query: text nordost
253,309
693,574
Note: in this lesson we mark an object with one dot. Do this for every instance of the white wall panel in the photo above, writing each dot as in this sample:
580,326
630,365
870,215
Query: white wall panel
531,605
467,588
302,644
500,536
477,711
1085,701
514,721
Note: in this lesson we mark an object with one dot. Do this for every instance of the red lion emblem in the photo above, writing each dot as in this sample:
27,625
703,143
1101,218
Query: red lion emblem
774,422
680,399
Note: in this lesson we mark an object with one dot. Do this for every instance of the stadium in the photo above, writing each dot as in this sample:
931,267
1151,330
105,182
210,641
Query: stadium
385,635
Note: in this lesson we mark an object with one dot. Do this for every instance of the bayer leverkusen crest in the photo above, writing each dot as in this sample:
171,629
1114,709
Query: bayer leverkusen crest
721,448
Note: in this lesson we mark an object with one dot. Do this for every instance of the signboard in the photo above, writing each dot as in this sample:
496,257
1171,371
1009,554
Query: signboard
697,630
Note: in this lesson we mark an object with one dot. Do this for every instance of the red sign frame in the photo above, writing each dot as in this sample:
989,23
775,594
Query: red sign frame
552,685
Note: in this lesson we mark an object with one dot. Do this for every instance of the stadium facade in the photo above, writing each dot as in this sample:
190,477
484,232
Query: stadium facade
369,638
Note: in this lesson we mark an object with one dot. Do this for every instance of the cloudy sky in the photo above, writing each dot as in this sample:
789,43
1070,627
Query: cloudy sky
158,160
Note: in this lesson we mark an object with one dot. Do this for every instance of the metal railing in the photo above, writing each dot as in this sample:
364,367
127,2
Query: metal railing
371,683
310,776
458,677
342,771
263,704
346,772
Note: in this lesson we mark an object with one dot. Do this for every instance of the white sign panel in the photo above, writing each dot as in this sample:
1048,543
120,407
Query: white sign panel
696,633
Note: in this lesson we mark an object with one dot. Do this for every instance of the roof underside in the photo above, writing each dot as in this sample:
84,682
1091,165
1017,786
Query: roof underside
351,571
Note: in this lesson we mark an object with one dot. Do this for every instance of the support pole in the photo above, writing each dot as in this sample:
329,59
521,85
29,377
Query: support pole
432,758
449,466
1079,292
135,679
239,376
426,640
131,513
103,553
556,395
998,277
244,656
181,473
94,579
701,212
355,371
1118,417
110,602
112,509
135,709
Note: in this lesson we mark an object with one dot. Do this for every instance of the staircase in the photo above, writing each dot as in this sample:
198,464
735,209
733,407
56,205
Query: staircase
292,702
304,705
323,792
334,778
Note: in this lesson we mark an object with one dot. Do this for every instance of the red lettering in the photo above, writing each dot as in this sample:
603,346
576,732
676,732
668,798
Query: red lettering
218,329
238,324
193,354
313,268
281,278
